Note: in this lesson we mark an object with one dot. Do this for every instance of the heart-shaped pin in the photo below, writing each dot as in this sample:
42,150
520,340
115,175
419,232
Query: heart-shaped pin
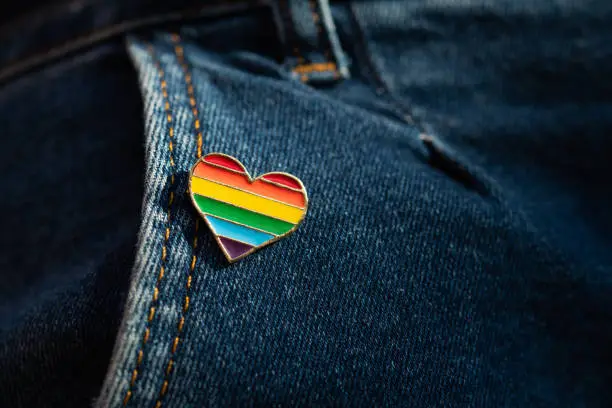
243,213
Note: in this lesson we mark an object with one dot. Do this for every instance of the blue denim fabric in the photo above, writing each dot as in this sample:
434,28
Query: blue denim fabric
420,277
310,40
456,248
70,212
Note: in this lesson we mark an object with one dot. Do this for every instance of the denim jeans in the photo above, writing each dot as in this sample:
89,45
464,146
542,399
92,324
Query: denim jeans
456,249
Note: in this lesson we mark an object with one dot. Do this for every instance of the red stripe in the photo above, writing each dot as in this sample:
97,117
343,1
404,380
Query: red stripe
282,179
240,181
224,161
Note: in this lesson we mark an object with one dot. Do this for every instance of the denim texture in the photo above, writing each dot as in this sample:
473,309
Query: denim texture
310,40
521,90
72,169
420,277
456,246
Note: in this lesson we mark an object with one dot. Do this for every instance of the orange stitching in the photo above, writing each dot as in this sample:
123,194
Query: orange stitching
179,51
321,67
145,338
317,21
315,18
296,50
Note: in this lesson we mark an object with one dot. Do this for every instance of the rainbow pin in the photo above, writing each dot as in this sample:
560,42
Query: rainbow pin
244,213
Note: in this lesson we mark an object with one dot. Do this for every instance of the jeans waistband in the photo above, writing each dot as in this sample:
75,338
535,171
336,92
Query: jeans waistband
60,28
49,32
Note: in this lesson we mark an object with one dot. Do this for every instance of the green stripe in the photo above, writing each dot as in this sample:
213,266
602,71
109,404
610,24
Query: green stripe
246,217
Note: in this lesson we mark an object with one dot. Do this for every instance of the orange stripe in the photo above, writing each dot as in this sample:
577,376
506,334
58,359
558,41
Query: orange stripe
241,182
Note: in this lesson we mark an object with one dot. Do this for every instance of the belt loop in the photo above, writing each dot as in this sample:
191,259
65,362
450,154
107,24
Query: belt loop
309,33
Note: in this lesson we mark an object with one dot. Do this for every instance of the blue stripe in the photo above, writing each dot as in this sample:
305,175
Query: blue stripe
238,232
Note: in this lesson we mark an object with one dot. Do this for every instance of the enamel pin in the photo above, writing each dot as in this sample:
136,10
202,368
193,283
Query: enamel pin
243,213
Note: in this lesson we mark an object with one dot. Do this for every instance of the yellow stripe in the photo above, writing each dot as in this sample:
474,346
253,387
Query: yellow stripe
246,200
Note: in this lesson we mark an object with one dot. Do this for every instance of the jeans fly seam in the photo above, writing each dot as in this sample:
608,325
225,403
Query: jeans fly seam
404,112
286,15
316,18
180,56
330,66
164,252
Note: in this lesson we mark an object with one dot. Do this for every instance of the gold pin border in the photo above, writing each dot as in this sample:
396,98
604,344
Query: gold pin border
250,180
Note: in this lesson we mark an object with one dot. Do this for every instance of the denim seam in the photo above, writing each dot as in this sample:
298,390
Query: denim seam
403,111
286,16
427,138
316,18
329,66
164,251
180,56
